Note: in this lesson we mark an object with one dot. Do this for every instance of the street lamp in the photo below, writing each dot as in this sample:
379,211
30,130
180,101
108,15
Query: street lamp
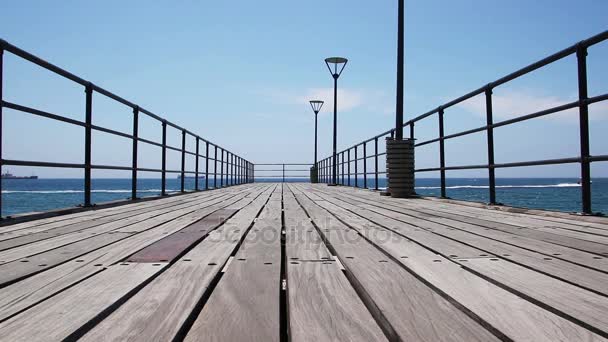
335,63
316,107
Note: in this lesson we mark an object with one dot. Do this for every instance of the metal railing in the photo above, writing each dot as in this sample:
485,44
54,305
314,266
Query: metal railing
233,169
584,158
282,172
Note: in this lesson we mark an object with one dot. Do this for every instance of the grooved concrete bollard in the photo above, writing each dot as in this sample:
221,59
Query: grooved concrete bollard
400,167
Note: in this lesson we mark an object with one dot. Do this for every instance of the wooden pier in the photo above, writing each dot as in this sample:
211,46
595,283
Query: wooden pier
304,262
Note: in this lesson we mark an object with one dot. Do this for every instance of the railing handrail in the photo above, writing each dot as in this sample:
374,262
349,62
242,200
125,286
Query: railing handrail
583,101
525,70
238,169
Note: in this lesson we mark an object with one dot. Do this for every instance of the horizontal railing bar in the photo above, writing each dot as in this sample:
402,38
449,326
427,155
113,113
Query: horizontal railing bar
541,113
280,176
150,142
111,167
41,113
603,157
518,164
41,164
539,162
40,62
82,166
281,170
286,164
82,124
111,131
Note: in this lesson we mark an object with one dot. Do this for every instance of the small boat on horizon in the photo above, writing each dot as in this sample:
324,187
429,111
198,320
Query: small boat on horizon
8,175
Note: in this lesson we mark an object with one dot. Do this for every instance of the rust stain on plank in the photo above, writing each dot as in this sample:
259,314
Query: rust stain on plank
172,246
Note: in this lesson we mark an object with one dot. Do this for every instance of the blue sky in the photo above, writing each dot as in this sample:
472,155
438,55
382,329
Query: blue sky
240,74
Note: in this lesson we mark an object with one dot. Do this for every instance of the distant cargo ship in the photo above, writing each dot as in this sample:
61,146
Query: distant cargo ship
9,175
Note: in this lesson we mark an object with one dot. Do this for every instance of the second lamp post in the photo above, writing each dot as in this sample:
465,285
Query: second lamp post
333,64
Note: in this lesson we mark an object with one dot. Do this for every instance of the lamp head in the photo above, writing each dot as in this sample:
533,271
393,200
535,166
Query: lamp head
316,105
336,65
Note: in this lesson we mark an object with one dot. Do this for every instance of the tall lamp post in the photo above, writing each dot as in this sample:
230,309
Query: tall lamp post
399,102
333,64
316,107
400,162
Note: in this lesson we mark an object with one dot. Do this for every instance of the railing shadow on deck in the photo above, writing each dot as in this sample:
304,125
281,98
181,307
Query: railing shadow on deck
233,169
361,151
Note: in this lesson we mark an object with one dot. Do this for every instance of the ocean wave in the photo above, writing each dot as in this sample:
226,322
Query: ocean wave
107,191
560,185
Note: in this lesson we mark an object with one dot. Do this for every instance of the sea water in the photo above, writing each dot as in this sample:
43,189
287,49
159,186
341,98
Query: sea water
562,194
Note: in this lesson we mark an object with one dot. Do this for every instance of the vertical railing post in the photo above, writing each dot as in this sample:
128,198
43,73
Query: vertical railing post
228,168
183,178
581,55
490,131
222,169
232,169
134,158
356,167
376,162
365,165
342,164
348,168
196,165
1,119
87,144
283,173
412,130
163,176
441,152
206,165
215,169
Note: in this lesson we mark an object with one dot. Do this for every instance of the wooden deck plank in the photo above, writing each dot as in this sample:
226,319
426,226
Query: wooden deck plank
62,315
170,247
584,306
581,242
158,311
432,223
524,220
100,225
19,269
490,302
245,303
322,304
433,241
95,214
130,225
28,292
492,243
415,311
544,215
